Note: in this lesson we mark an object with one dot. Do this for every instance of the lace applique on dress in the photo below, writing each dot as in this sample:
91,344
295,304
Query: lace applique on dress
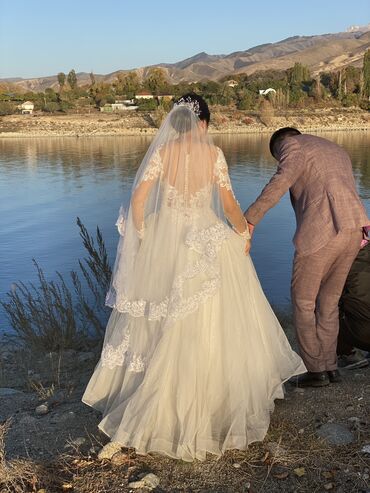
206,242
118,356
154,168
221,171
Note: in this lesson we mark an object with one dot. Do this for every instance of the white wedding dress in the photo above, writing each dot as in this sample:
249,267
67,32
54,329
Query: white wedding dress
193,356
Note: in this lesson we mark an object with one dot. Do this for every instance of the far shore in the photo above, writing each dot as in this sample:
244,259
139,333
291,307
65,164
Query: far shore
224,121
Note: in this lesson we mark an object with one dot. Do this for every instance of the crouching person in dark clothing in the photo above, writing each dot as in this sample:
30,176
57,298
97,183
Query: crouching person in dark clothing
354,312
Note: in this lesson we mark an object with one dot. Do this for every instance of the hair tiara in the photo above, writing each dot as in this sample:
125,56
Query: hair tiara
190,103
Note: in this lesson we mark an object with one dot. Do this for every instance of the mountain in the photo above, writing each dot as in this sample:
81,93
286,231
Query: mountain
325,52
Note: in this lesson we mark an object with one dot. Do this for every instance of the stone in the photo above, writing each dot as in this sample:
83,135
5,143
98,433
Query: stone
149,481
69,415
236,465
366,449
328,486
42,409
58,397
78,441
5,392
119,458
109,450
335,434
275,449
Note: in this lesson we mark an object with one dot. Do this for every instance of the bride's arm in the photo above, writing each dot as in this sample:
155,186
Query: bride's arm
142,190
138,201
230,205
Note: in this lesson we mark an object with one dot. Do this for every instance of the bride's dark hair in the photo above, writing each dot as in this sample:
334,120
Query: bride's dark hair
201,109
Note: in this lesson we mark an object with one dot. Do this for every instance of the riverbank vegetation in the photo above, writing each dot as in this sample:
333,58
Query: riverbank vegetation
292,88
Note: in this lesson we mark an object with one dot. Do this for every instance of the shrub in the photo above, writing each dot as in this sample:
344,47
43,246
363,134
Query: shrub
147,104
51,316
7,108
266,112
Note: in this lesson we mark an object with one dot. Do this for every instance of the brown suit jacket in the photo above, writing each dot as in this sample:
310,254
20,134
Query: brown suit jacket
323,193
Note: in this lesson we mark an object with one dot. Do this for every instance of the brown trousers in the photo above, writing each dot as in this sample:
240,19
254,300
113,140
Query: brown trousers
317,283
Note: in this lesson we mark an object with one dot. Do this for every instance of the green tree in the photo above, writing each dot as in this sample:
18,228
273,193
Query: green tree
330,82
92,79
353,80
366,76
298,73
156,80
72,79
61,80
51,95
127,84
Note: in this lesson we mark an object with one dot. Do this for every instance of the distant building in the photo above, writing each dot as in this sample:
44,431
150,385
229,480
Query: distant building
264,92
144,95
166,97
26,108
118,106
232,83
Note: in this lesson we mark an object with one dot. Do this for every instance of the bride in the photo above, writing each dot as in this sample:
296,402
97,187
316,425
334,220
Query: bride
193,355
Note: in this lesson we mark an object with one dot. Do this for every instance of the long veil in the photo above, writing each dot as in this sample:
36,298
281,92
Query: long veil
167,255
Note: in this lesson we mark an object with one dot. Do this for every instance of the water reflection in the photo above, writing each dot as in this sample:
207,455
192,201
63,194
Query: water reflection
46,183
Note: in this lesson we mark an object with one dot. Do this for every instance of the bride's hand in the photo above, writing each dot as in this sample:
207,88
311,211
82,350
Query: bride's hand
247,247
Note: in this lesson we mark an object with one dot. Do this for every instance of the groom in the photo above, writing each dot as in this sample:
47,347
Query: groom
329,216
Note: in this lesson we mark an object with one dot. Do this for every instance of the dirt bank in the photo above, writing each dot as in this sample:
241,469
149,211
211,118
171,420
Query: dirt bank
223,121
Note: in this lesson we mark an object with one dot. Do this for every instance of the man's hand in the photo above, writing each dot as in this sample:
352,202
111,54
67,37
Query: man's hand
251,228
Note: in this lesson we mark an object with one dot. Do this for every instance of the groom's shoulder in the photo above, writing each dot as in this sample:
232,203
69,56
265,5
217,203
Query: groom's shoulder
313,141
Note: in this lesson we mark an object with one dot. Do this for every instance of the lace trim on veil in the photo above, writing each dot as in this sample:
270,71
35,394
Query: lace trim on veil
207,242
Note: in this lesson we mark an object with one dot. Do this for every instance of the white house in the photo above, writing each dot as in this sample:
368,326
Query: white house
118,106
232,83
264,92
144,95
26,108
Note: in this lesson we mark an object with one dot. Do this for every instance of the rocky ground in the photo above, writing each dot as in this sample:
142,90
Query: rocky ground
319,439
223,120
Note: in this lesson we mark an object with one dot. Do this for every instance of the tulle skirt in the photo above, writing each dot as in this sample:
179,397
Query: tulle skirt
210,378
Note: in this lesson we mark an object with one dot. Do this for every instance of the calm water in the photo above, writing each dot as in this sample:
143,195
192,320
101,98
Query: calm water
46,183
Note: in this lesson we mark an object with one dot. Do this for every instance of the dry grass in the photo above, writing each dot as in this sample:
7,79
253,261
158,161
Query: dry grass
16,475
285,461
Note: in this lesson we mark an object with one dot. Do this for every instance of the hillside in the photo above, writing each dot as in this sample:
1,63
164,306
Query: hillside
326,52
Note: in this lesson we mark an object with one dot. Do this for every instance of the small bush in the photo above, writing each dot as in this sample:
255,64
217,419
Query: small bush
52,316
7,108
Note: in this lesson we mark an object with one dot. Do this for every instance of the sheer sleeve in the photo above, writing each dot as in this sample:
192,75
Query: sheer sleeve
230,205
141,192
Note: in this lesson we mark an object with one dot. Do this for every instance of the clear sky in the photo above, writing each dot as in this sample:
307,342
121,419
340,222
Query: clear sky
43,37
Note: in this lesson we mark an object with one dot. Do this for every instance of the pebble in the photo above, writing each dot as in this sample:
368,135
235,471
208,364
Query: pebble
5,392
42,409
109,450
275,449
328,486
78,441
67,416
149,481
366,449
119,458
236,465
335,434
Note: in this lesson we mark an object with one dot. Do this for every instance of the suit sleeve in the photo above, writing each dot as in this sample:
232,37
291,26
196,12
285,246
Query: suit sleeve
290,167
